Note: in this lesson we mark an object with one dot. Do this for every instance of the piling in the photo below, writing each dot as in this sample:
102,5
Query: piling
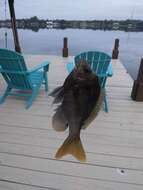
14,27
115,52
137,90
65,47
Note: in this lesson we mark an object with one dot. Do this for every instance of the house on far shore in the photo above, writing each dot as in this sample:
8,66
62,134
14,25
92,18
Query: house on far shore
116,25
49,24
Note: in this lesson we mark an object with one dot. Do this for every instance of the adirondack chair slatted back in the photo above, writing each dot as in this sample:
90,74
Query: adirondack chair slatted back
98,62
12,64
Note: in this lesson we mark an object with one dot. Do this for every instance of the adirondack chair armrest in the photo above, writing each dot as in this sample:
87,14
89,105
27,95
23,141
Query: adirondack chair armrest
70,66
44,65
110,70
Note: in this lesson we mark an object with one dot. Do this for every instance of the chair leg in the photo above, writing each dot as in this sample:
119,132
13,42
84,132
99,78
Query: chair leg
2,99
46,81
105,103
32,97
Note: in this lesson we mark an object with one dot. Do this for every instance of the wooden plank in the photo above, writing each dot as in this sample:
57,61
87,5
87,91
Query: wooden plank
98,147
78,170
13,185
130,141
42,108
100,129
126,137
97,158
64,182
115,117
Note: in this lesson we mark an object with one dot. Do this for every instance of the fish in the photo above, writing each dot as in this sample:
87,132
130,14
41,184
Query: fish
79,100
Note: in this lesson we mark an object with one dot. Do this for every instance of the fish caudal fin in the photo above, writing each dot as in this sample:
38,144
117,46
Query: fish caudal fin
73,146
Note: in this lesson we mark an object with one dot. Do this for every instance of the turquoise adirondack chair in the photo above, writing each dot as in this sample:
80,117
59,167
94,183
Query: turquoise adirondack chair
100,63
25,83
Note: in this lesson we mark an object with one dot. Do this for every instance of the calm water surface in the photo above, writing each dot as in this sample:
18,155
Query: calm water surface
50,41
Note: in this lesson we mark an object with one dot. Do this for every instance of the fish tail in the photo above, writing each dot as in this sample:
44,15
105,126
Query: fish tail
73,146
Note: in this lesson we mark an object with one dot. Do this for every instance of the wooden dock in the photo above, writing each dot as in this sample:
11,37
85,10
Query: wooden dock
113,142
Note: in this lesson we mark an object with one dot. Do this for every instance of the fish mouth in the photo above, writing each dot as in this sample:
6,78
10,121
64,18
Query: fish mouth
81,78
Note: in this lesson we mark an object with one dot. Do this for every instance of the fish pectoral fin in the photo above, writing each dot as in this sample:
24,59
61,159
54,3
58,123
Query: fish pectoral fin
55,91
73,146
57,94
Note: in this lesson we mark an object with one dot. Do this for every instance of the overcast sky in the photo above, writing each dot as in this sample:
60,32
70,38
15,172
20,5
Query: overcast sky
78,9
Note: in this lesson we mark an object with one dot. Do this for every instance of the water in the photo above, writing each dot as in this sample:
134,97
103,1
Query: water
50,41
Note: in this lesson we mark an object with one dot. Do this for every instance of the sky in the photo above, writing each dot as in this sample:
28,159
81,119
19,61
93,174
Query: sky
77,9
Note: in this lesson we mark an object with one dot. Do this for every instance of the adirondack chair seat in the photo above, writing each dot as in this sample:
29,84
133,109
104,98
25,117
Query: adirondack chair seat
16,75
100,63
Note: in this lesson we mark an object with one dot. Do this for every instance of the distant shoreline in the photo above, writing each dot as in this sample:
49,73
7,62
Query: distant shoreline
35,24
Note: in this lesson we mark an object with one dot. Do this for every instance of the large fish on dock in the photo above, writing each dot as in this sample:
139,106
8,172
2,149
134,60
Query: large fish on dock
80,99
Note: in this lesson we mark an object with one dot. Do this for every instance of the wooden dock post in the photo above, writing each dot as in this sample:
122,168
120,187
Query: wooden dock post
13,24
137,90
65,47
115,51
